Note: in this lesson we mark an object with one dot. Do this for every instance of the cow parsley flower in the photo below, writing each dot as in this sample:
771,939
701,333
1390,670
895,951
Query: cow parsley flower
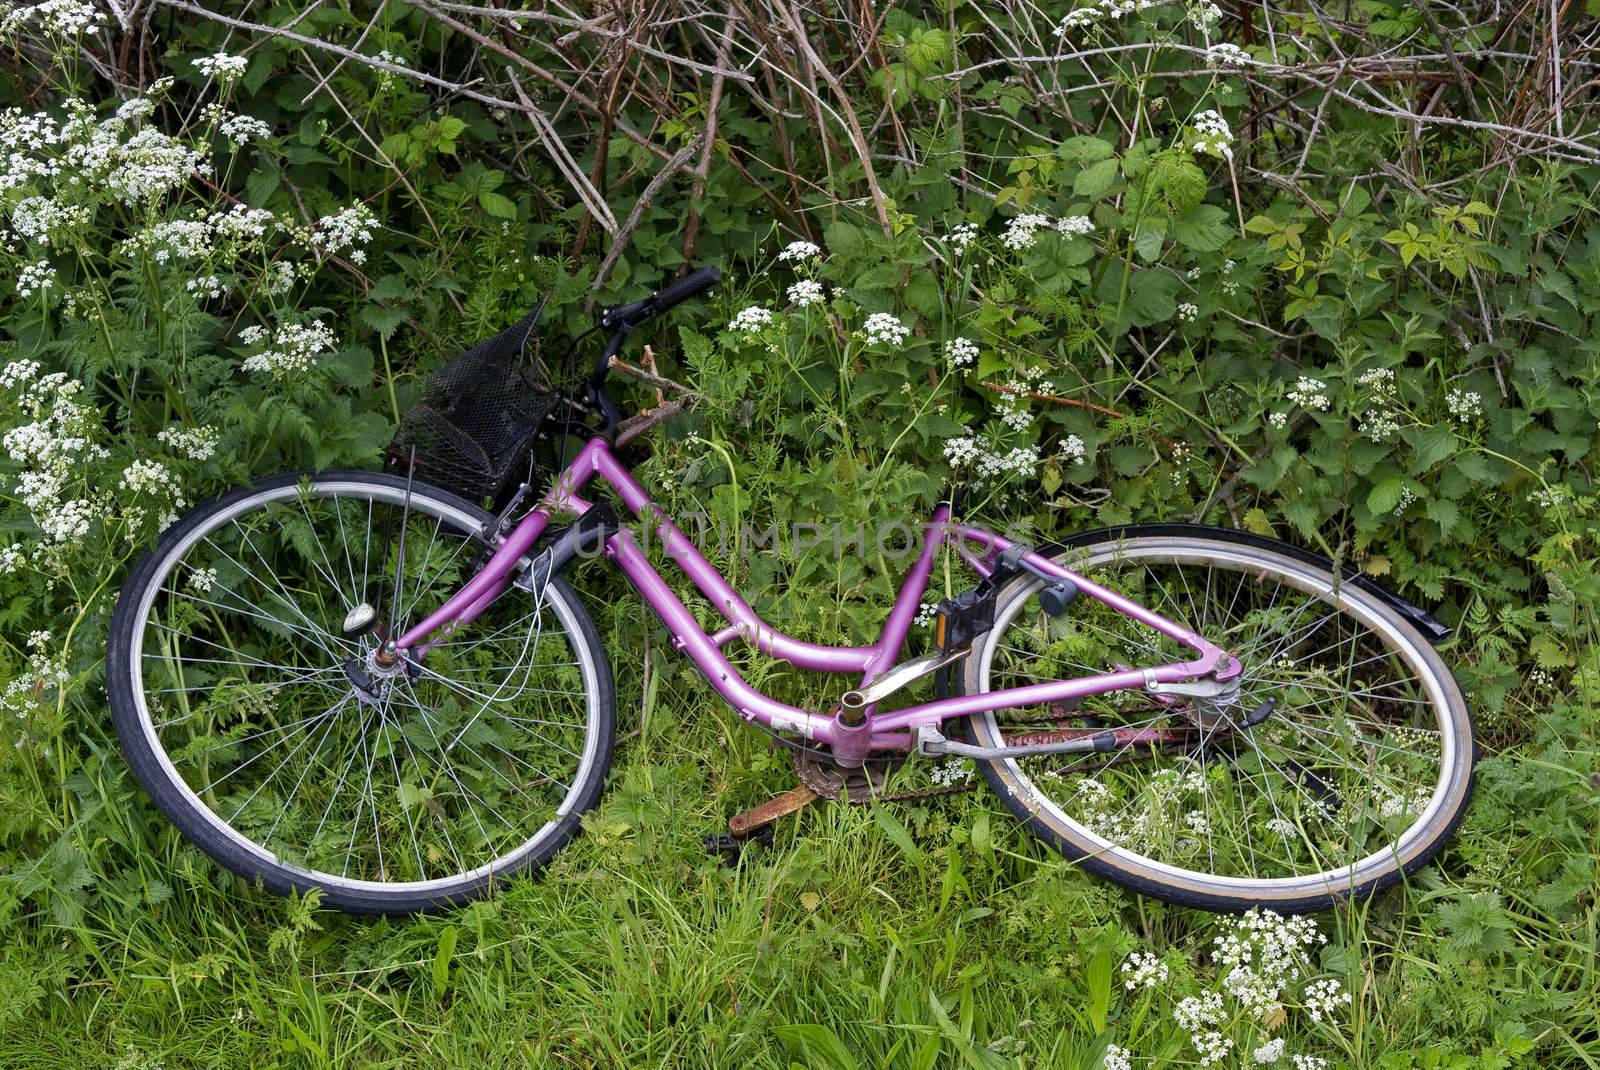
349,229
60,18
295,348
885,328
12,558
1188,311
1278,420
1268,1053
1143,970
207,286
1075,225
1310,1062
751,320
1223,54
150,164
800,251
1022,231
1116,1058
202,579
960,352
241,129
962,235
1310,393
1203,14
806,292
954,771
38,276
221,66
1323,998
1211,135
195,443
1464,405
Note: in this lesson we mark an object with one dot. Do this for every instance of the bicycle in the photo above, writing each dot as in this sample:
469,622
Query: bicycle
362,683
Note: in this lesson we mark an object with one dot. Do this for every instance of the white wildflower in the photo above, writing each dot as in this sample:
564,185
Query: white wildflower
751,320
1310,1062
294,348
1212,135
1464,405
1075,225
195,443
1310,393
39,276
1278,420
1188,311
150,164
210,286
1022,231
1203,14
1116,1058
1223,54
960,352
221,66
1268,1053
12,558
806,292
1323,998
349,229
1072,449
240,129
883,327
800,251
1143,970
60,18
961,236
954,771
202,579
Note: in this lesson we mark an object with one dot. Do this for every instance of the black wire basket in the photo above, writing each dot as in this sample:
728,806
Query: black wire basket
486,421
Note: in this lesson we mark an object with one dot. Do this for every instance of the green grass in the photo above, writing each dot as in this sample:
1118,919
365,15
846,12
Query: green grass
935,934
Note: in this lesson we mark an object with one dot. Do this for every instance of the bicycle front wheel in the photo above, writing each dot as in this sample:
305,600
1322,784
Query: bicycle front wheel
287,750
1342,763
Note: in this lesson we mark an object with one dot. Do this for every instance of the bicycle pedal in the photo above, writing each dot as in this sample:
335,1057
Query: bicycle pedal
731,847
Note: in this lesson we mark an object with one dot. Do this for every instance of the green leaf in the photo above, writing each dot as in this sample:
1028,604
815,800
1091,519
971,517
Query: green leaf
383,320
497,204
1205,228
441,959
1386,495
818,1045
1095,179
898,835
1152,296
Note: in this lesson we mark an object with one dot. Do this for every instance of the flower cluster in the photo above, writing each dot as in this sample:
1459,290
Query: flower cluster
1203,15
1379,419
1310,393
195,443
349,229
1104,10
293,348
1223,54
1464,405
26,691
962,235
987,464
798,252
1143,970
884,328
154,480
35,277
806,292
751,320
59,18
1210,135
52,449
221,66
1023,230
961,352
954,771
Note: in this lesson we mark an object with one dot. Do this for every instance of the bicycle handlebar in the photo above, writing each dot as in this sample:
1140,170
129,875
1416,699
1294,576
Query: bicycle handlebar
626,317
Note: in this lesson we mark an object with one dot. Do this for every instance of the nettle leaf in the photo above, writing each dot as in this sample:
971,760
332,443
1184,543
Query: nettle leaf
1096,179
1386,494
1205,228
1153,296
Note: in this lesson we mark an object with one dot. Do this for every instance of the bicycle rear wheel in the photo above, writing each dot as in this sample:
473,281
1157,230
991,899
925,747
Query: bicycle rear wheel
288,752
1353,777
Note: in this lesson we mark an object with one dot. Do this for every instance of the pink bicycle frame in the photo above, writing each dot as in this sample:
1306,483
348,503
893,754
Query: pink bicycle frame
878,731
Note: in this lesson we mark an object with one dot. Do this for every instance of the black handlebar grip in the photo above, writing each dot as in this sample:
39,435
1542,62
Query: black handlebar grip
680,290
